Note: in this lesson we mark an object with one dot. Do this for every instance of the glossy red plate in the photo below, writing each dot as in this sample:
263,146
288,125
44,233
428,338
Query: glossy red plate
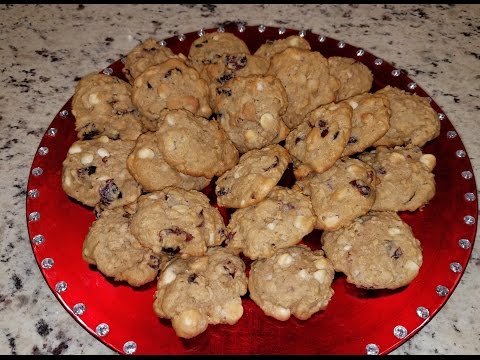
355,322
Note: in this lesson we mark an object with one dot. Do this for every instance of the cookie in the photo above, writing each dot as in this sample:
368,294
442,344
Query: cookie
294,281
170,85
355,78
282,219
318,142
229,66
144,55
250,181
102,105
195,146
95,173
198,291
148,167
377,251
272,47
211,46
405,181
370,121
250,110
116,253
305,77
340,194
177,221
413,121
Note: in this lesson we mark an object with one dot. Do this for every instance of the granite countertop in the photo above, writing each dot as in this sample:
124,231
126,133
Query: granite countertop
44,49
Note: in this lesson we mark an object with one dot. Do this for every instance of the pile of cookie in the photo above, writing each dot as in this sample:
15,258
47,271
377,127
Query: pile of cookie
224,117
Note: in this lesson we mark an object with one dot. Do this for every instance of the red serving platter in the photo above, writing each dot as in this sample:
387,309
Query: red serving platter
355,322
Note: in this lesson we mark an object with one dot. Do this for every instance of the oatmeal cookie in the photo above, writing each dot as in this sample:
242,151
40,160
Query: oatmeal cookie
294,281
250,110
413,120
377,251
405,181
201,290
340,194
282,219
355,78
250,181
95,173
268,49
102,105
170,85
306,79
177,221
195,146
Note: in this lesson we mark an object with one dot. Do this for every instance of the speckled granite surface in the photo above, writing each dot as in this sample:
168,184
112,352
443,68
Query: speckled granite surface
45,48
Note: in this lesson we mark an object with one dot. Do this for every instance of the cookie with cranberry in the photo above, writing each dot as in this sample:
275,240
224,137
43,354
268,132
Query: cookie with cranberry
280,220
195,146
405,181
148,53
197,291
95,173
319,141
110,246
271,47
377,251
102,105
251,109
306,79
355,78
250,181
210,47
177,221
370,121
340,194
152,172
293,281
170,85
413,121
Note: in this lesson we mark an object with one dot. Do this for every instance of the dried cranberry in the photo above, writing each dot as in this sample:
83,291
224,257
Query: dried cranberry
274,165
109,192
191,278
89,170
362,189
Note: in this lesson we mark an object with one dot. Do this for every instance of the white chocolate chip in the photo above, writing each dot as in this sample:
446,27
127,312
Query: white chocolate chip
260,86
397,157
145,153
86,159
242,202
249,135
300,222
285,260
293,41
320,275
282,312
347,247
356,171
320,263
353,104
303,274
68,180
103,178
267,121
394,231
330,220
170,119
102,152
412,266
75,149
153,197
168,276
93,99
271,226
429,161
211,239
182,209
104,139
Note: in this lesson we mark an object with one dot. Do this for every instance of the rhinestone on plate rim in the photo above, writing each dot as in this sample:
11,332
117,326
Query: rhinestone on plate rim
102,329
61,286
372,349
423,312
47,263
34,216
129,347
79,309
400,331
33,193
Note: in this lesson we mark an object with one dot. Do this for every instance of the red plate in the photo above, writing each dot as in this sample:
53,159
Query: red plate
355,322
